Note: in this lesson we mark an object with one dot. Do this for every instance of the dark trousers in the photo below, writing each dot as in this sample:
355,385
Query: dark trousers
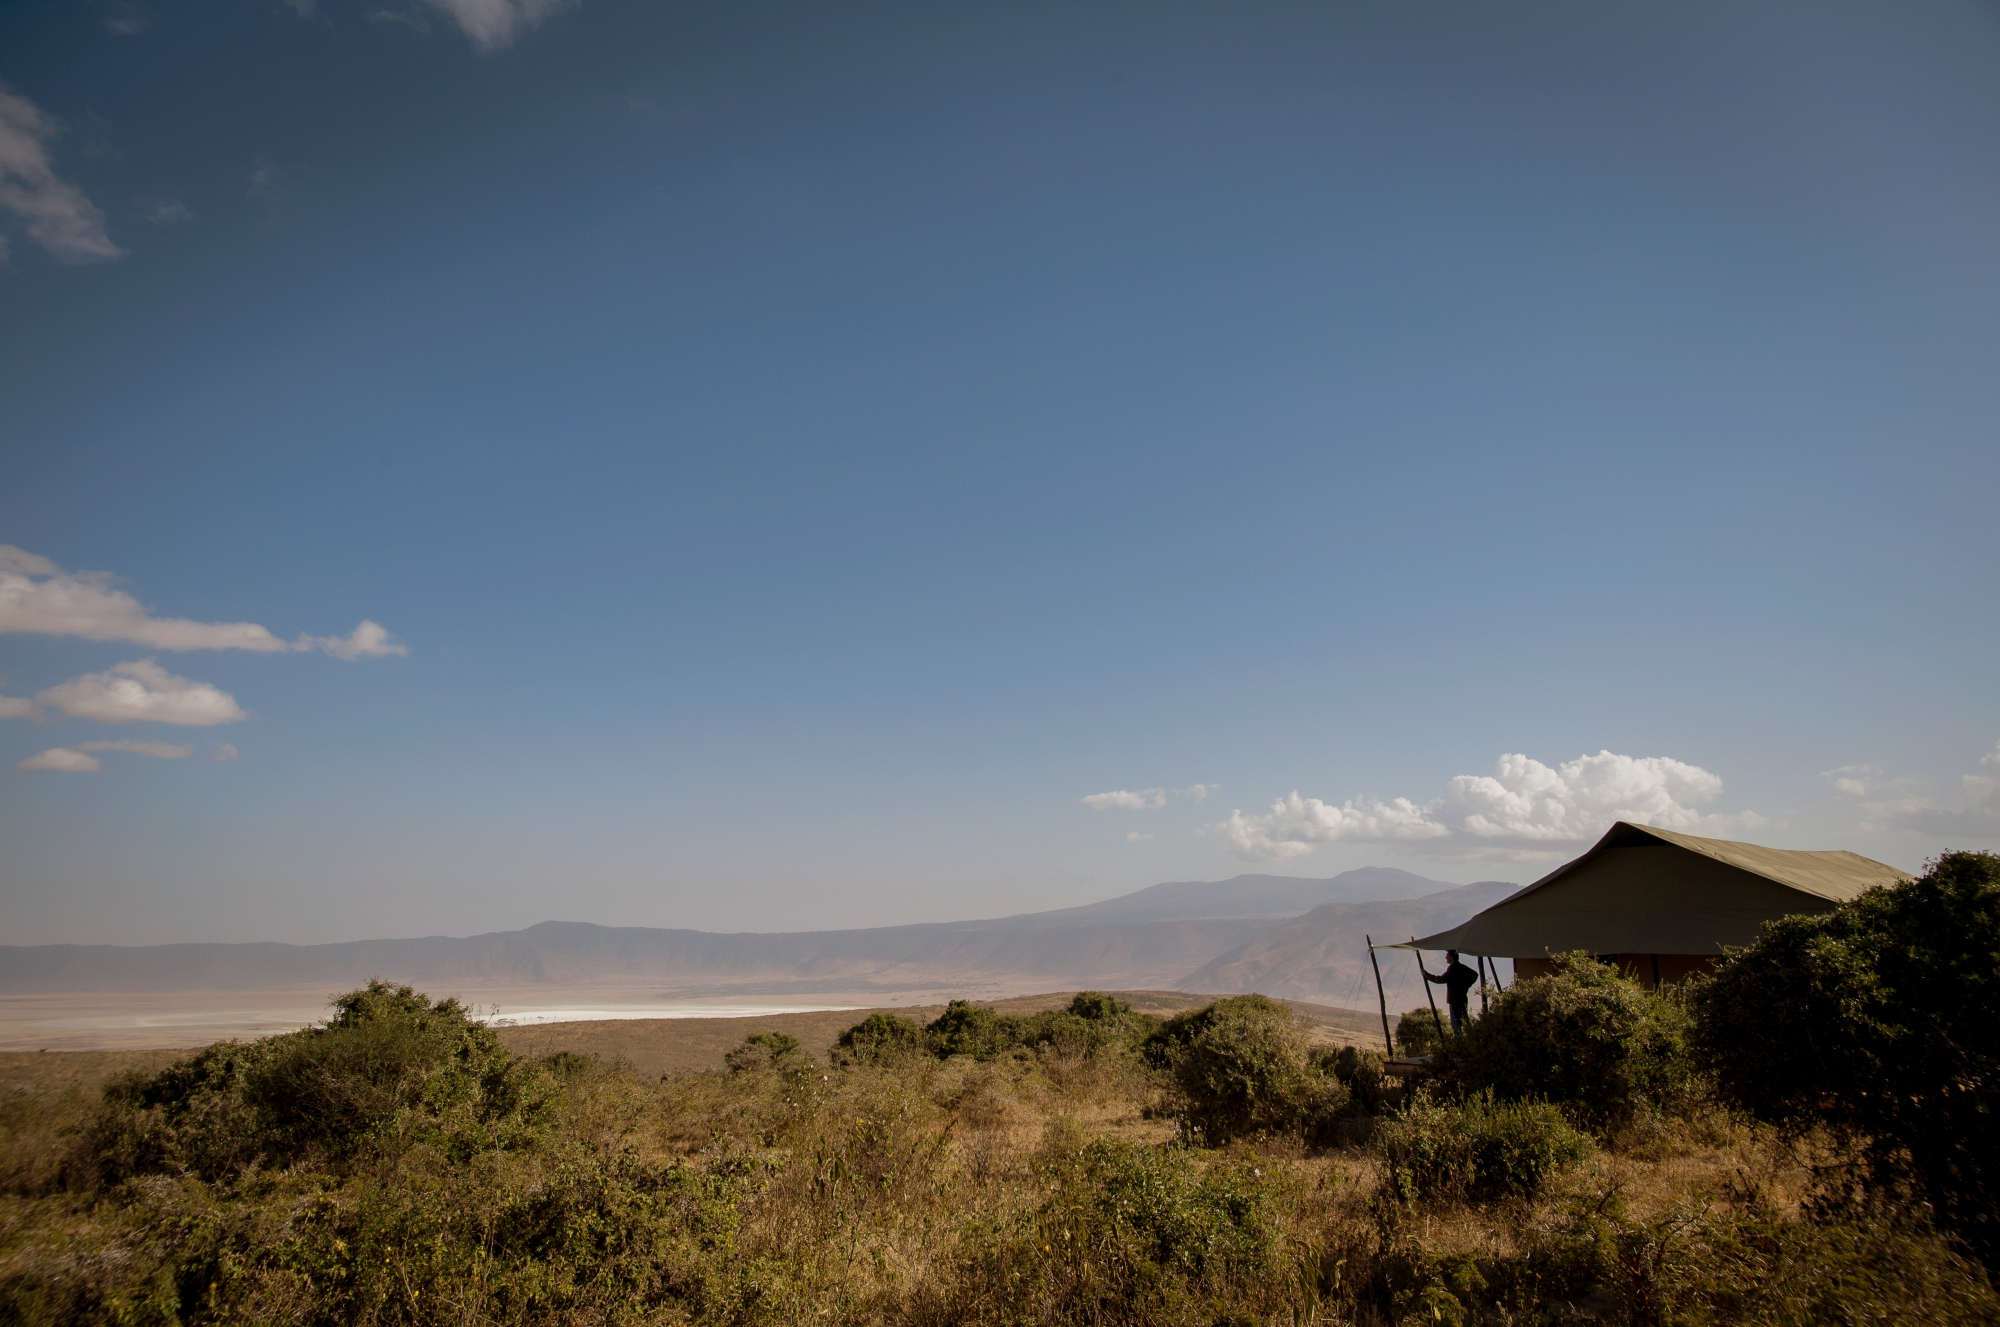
1458,1018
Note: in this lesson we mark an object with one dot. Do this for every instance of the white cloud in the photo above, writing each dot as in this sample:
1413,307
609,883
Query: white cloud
57,215
1901,804
1295,825
408,18
1525,799
1146,799
37,597
60,760
1123,799
1523,804
157,750
16,707
226,751
265,185
1136,836
370,640
126,21
142,691
493,24
1854,780
21,561
169,212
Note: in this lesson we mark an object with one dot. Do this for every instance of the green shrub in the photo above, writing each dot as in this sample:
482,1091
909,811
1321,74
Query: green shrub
766,1050
396,1166
965,1028
576,1066
1123,1234
1476,1149
879,1039
572,1234
1584,1036
1417,1032
1098,1007
390,1065
876,1196
1591,1261
1060,1032
1243,1066
1878,1018
1362,1073
1093,1024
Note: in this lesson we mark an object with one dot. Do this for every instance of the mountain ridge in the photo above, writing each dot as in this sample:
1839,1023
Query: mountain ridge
1150,936
1320,956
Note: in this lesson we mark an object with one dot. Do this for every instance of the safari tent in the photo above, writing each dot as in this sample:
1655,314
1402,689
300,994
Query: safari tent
1660,903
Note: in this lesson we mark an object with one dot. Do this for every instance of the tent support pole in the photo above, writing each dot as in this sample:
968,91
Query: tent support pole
1656,972
1482,984
1427,989
1381,999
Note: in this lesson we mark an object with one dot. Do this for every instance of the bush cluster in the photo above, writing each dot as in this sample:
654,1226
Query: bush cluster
1243,1066
1418,1032
766,1050
1363,1073
879,1039
1878,1019
396,1165
1583,1035
1590,1260
401,1166
1092,1024
1125,1234
389,1069
1476,1149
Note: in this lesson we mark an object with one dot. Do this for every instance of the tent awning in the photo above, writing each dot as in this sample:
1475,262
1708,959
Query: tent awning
1641,889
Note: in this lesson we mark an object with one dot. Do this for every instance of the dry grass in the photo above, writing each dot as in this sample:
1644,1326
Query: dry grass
926,1193
42,1095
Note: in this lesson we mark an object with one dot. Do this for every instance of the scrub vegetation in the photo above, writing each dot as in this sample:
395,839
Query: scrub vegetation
1588,1152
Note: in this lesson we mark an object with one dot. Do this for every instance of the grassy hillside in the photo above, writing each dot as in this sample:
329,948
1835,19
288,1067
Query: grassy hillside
1223,1166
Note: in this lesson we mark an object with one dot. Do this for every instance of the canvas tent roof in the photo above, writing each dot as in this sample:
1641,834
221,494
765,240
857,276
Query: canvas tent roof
1645,890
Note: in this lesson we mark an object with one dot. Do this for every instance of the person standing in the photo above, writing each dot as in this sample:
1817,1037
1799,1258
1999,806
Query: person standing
1458,981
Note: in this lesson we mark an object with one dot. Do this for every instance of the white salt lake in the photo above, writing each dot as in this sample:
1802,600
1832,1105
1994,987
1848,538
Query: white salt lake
590,1014
195,1018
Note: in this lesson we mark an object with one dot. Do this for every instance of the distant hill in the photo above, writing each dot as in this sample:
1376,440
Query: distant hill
1264,896
670,962
1323,955
1151,938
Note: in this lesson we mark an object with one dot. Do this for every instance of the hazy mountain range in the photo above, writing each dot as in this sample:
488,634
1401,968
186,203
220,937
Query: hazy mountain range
1322,957
1280,934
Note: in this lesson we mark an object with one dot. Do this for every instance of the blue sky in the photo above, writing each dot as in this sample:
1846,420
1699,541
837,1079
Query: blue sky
783,463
